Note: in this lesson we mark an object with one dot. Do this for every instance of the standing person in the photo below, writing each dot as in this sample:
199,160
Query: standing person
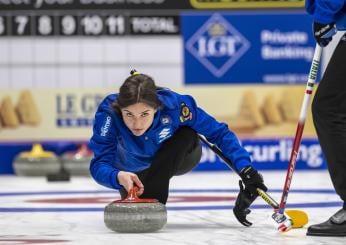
145,135
329,108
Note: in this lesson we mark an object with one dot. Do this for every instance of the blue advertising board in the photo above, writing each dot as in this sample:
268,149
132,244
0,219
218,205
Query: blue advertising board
247,47
266,154
271,154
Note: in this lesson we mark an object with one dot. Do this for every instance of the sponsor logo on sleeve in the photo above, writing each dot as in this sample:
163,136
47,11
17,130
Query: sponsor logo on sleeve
106,125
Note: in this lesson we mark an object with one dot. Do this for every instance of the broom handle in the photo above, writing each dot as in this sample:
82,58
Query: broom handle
300,127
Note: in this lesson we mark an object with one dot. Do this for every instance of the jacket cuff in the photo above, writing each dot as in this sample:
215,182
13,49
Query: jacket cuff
114,180
242,164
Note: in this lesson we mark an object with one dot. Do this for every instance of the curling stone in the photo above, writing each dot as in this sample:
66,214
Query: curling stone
36,162
77,163
135,215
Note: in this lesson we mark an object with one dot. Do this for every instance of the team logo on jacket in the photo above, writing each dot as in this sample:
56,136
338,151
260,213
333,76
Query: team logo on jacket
166,120
185,113
164,134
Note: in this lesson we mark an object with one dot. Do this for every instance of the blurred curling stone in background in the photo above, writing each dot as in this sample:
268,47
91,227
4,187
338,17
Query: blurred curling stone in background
135,215
77,162
36,162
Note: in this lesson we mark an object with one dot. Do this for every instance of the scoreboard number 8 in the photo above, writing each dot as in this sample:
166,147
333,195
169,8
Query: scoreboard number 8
45,26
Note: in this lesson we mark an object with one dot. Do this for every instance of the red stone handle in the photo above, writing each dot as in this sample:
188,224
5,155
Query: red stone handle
132,195
133,198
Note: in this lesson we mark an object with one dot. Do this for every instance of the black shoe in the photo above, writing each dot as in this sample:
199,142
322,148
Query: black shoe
335,226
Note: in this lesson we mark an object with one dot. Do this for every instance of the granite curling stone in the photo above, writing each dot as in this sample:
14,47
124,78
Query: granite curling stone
36,162
135,215
78,162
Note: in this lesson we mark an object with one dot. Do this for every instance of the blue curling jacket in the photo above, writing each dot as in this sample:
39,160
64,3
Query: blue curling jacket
326,11
117,149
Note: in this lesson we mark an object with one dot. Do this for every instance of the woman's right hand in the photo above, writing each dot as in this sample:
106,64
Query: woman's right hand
128,180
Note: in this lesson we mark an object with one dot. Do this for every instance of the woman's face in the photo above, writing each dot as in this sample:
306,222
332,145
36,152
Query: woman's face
138,117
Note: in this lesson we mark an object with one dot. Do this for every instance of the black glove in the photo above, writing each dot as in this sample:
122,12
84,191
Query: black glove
323,33
242,204
252,179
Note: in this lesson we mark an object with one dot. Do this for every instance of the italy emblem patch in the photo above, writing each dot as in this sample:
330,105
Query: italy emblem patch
185,113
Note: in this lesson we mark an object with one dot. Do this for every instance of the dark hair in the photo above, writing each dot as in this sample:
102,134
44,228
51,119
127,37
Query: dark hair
137,88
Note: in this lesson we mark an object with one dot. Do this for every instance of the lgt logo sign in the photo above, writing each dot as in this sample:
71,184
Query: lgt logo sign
217,45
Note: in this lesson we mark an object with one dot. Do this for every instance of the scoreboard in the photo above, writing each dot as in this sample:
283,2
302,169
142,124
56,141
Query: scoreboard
111,17
101,23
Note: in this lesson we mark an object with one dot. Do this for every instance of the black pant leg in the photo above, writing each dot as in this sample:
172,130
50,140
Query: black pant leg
178,154
329,116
